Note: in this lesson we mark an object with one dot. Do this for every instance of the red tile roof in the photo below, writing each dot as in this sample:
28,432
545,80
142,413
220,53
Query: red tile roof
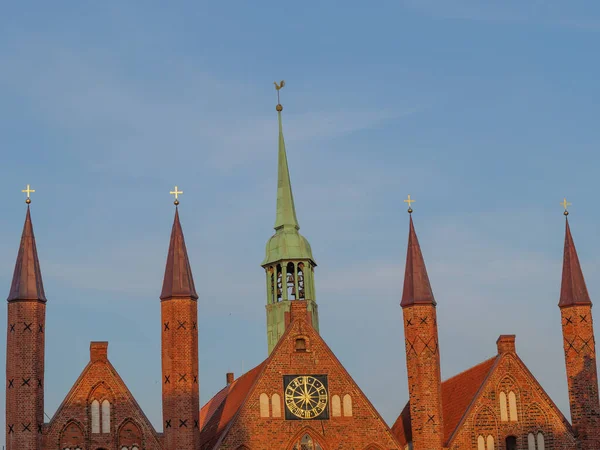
217,414
458,394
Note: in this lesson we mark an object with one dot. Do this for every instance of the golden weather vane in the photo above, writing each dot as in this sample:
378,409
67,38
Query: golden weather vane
565,205
176,193
410,202
278,87
28,191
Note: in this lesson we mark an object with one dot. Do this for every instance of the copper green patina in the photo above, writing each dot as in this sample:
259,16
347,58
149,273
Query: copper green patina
288,262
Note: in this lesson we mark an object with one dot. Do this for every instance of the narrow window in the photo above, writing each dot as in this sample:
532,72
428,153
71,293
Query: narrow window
279,283
135,447
503,407
276,405
512,402
490,443
336,406
300,275
106,416
291,281
511,443
347,406
272,283
95,416
530,441
480,443
264,405
540,441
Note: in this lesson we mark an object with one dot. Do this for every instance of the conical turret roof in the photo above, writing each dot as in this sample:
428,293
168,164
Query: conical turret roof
417,289
573,290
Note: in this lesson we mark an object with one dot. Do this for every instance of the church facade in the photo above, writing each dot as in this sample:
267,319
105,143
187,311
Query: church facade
300,397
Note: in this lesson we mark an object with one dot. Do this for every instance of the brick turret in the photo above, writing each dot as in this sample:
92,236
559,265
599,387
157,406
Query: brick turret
422,351
179,312
25,348
579,346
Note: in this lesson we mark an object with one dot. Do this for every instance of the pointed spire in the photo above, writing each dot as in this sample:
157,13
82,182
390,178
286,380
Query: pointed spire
573,290
417,289
27,279
178,281
286,211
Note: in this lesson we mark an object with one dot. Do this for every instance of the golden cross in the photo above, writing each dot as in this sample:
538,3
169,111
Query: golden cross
28,191
410,202
176,193
565,205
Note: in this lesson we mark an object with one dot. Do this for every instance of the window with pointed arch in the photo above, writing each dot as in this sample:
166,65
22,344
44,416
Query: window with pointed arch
279,283
300,278
130,436
290,281
72,437
536,442
306,442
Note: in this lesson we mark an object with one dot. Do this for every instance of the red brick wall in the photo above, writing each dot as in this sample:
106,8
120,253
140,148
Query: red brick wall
25,374
580,359
424,377
364,428
535,412
99,381
181,400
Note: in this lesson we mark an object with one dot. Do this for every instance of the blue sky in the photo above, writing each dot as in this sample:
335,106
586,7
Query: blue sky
485,112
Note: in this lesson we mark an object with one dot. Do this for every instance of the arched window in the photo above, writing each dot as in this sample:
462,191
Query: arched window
480,443
336,406
106,416
95,416
279,283
530,442
511,443
503,407
130,435
276,405
300,278
541,444
490,443
272,283
264,405
512,403
347,406
307,443
291,281
72,436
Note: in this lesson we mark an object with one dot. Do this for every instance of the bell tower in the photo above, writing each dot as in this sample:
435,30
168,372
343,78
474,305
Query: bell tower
289,264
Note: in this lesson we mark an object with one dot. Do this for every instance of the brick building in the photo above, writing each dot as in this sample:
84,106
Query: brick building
300,397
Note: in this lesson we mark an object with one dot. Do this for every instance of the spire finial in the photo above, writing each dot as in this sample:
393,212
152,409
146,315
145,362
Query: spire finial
176,193
565,205
28,191
281,84
410,202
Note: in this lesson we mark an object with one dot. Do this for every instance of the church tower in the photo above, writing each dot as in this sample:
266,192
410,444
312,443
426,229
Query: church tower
422,350
289,264
179,315
25,348
579,346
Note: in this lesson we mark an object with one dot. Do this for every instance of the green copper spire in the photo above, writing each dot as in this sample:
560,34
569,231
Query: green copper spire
286,211
288,263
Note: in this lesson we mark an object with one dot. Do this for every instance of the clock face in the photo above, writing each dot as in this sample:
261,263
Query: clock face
306,397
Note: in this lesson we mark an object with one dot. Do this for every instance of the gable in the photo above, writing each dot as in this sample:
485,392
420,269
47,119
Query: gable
531,410
260,421
99,396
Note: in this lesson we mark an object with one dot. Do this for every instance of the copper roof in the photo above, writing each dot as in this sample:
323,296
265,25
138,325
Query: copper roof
417,289
178,281
573,290
27,279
